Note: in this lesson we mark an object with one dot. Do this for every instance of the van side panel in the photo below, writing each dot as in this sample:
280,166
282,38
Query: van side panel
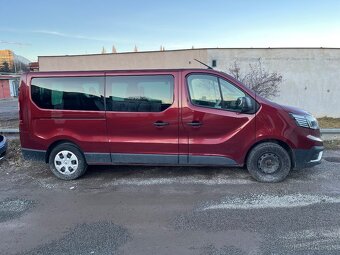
223,135
86,129
138,136
23,111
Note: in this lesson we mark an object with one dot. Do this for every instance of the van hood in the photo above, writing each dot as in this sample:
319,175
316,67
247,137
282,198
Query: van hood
286,108
295,110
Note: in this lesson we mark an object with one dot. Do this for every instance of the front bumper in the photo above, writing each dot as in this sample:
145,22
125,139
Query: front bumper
3,146
307,158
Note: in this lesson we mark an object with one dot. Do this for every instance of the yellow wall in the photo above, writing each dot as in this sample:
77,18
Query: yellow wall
7,56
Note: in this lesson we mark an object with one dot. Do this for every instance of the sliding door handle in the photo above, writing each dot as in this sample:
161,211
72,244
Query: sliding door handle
161,123
195,124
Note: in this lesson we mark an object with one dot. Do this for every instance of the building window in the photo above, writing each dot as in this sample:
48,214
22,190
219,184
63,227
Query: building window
145,93
214,63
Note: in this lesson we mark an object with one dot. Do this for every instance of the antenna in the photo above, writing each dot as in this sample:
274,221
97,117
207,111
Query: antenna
209,67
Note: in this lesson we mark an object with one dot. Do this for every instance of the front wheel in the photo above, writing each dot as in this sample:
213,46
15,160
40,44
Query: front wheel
268,162
67,162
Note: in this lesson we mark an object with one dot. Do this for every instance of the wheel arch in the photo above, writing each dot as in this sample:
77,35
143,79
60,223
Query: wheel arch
57,142
277,141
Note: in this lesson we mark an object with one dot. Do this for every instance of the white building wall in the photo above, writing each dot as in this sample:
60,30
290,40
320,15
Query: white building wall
311,77
124,61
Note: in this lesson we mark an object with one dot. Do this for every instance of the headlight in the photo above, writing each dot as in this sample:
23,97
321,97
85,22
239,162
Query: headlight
306,121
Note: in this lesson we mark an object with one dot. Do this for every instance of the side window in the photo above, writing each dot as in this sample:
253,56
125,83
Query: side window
210,91
149,93
204,90
231,96
69,93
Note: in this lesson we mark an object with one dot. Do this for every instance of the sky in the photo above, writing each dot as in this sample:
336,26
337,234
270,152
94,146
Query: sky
69,27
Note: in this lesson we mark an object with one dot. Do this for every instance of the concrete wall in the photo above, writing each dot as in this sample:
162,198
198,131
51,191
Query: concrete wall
121,61
311,77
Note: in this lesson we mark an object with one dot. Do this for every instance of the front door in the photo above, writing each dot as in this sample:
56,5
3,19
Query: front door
218,132
142,118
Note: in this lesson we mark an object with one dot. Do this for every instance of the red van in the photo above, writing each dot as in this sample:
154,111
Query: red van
197,117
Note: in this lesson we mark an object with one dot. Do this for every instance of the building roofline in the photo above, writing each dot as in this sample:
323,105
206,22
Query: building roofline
9,74
196,49
121,53
8,77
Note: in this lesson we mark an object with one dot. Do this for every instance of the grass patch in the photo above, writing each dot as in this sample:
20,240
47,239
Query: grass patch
332,144
328,122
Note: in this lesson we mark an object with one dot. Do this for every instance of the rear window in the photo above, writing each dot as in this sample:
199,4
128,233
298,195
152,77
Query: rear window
69,93
147,93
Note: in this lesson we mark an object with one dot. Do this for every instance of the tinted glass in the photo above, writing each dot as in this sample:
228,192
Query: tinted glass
204,91
139,93
231,96
69,93
211,91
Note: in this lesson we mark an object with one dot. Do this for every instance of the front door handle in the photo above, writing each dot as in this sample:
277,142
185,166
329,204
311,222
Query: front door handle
161,123
195,124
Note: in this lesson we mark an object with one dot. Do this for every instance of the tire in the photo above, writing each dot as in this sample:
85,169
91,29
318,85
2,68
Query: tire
67,162
269,162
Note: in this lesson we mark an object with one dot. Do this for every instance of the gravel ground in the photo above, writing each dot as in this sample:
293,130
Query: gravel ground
168,210
108,238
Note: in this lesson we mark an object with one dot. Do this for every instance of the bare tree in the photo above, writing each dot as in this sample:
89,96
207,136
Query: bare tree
135,49
103,50
264,83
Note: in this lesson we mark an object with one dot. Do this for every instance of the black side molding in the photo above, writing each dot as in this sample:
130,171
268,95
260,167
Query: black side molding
37,155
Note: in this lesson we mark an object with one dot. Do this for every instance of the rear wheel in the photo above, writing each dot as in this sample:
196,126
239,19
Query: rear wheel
269,162
67,162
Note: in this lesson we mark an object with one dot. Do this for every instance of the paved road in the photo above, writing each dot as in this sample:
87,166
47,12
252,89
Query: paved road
162,210
9,109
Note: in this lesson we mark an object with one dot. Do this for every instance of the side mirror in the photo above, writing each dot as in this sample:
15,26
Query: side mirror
245,104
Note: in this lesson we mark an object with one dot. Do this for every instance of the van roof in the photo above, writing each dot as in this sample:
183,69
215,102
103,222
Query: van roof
125,70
